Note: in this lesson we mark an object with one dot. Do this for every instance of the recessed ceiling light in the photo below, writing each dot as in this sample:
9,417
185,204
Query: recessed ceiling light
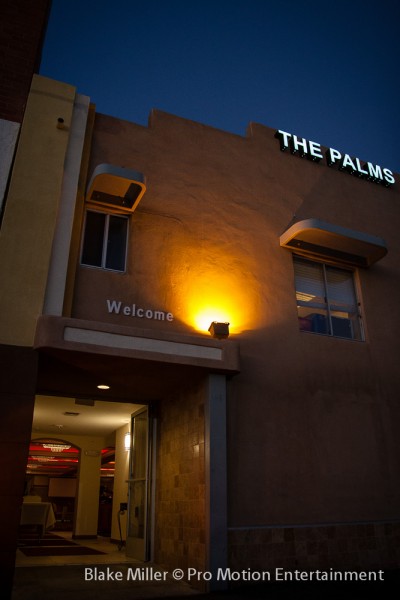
103,387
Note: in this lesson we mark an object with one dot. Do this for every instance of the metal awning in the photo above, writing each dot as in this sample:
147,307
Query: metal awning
116,187
316,238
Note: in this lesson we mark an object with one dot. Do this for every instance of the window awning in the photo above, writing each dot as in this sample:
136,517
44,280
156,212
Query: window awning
316,238
116,187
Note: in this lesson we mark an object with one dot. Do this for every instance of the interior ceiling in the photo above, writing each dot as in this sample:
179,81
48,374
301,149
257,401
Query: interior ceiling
67,379
101,419
68,401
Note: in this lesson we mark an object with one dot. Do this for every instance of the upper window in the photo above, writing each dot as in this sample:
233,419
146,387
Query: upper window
105,241
326,300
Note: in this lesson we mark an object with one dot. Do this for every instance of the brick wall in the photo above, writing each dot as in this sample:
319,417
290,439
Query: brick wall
22,28
180,501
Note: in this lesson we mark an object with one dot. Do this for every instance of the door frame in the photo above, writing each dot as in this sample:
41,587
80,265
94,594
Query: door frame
141,548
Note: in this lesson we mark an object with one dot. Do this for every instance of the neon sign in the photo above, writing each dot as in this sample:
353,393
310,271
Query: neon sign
334,158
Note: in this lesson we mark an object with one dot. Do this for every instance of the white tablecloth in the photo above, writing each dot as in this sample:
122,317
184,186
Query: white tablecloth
38,513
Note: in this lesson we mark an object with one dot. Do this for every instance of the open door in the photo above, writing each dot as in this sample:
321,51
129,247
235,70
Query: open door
138,531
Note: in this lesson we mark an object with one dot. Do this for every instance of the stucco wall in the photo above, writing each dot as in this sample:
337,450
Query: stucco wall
312,420
31,210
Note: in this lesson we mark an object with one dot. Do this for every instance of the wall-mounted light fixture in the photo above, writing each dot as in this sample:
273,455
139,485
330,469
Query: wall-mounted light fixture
127,441
219,330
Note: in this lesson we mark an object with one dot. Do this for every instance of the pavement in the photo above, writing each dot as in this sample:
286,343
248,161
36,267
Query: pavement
82,582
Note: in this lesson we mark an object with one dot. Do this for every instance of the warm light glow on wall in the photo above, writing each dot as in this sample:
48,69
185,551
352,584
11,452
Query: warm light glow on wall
216,293
203,311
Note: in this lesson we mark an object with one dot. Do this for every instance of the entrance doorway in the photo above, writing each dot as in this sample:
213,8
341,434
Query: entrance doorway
94,430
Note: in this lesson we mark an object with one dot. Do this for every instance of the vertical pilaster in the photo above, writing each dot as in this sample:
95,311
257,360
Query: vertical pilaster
57,276
216,478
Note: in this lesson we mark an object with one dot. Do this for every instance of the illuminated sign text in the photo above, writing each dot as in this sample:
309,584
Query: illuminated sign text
334,158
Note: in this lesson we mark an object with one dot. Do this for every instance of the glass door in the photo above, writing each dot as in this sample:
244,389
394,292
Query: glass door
138,532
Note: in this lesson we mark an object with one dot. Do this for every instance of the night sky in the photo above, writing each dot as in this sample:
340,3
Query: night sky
325,71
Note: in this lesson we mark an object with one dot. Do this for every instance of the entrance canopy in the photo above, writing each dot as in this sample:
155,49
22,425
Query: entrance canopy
77,356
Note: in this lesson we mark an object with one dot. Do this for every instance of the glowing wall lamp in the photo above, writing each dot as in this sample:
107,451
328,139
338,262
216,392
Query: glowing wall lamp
217,288
127,441
219,330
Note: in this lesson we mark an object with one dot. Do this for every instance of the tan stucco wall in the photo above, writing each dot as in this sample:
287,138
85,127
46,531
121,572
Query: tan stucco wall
312,420
28,225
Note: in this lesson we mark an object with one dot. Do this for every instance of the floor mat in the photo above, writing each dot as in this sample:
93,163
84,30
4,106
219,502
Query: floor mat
44,542
32,535
70,550
52,545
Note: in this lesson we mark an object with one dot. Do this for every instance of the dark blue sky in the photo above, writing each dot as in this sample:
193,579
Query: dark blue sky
326,71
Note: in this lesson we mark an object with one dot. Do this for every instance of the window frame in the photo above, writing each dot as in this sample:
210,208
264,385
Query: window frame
328,302
108,215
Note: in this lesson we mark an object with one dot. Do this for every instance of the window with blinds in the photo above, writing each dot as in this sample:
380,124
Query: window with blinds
326,300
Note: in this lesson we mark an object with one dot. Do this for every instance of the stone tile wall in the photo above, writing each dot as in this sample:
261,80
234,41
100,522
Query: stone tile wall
349,546
180,539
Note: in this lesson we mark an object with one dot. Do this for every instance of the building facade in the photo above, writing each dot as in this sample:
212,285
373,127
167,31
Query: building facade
269,442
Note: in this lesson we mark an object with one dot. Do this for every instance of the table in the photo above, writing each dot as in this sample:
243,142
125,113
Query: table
40,514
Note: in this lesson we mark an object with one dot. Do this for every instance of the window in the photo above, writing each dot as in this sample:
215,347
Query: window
104,243
326,300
